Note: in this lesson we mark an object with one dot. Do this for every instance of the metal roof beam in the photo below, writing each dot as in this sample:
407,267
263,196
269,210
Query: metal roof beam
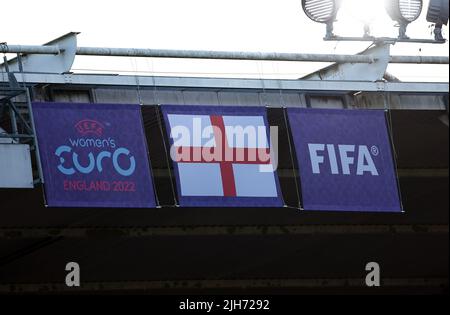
230,83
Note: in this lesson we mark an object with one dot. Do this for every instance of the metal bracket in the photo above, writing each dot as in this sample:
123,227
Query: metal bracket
357,72
55,63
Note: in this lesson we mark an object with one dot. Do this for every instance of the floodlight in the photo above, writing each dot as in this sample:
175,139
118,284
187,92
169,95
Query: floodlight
403,12
322,11
438,14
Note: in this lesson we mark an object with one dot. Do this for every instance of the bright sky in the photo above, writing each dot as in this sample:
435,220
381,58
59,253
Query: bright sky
241,25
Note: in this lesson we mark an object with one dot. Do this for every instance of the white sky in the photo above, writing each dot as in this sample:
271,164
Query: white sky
242,25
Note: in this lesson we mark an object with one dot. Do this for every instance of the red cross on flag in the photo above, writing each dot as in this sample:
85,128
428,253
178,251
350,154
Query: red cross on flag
222,156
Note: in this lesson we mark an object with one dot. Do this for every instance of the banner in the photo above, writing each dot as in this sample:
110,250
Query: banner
222,156
93,155
345,160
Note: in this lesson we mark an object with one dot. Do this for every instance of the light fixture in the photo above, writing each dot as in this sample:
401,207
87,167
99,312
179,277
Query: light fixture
369,13
322,11
438,14
404,12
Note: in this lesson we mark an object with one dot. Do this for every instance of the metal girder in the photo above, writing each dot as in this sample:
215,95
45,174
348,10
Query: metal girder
14,136
14,114
22,120
230,83
8,93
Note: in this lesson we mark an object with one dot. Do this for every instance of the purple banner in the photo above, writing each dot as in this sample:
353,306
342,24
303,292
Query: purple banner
345,160
93,155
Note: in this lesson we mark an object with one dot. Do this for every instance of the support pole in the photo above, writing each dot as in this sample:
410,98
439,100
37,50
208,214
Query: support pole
227,55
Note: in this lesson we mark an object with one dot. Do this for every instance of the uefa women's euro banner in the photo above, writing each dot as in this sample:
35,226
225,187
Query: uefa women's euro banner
93,155
222,156
345,160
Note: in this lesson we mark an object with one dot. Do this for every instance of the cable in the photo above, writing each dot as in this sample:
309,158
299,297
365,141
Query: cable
155,92
134,65
261,77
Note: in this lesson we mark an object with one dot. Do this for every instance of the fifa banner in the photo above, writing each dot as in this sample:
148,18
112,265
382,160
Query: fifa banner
345,160
222,156
93,155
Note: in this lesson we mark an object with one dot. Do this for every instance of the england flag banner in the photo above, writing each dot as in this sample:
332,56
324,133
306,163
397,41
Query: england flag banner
93,155
345,160
222,156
